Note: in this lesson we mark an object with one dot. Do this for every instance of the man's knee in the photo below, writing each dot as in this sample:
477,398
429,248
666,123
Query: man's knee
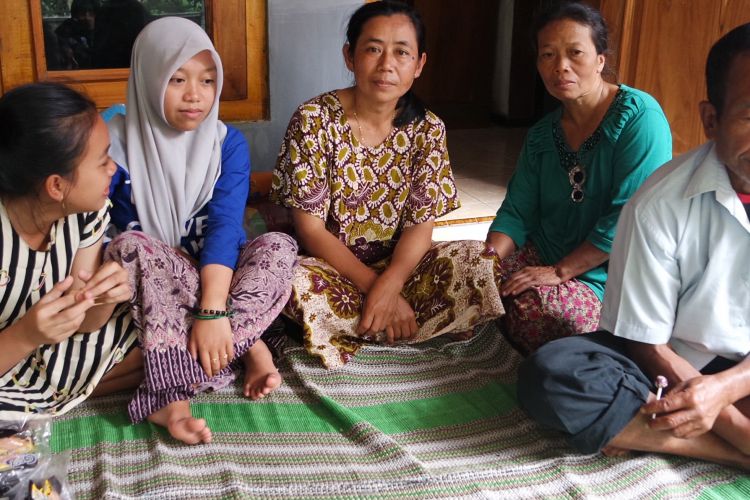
583,386
541,371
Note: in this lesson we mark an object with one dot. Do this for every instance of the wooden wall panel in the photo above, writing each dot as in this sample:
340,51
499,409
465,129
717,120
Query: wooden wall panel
675,37
661,47
16,44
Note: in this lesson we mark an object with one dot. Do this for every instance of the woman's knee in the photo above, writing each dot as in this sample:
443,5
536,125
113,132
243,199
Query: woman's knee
129,243
283,246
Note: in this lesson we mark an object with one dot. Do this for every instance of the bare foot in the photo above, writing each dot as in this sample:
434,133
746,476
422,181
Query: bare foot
181,424
261,375
614,451
461,335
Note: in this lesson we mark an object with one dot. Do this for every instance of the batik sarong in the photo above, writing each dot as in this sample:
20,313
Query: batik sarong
452,289
166,288
544,313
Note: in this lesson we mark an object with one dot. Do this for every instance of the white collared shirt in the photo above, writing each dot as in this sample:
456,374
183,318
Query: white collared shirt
679,271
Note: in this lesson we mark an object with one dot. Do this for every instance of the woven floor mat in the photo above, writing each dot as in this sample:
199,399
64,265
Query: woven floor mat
437,420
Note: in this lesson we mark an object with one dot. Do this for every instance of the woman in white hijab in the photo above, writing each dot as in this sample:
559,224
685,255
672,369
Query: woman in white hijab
203,296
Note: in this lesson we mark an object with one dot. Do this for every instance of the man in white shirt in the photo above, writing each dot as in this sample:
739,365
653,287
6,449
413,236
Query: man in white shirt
677,303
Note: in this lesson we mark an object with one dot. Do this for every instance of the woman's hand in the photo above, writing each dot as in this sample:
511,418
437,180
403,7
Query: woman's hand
385,309
108,285
380,303
403,325
530,276
211,344
56,316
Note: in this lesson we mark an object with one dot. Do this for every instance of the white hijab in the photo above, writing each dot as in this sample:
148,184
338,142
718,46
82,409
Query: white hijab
172,173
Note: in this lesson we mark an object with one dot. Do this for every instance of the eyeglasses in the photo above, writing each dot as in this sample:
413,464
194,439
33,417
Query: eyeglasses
577,176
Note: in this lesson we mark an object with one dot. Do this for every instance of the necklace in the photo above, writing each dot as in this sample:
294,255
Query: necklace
571,161
359,124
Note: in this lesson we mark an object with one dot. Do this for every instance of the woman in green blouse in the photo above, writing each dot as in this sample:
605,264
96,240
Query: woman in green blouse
578,167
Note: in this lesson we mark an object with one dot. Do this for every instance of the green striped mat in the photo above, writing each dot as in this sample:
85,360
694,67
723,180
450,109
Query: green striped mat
438,420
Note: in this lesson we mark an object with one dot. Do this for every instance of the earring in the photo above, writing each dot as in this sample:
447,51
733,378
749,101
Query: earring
64,209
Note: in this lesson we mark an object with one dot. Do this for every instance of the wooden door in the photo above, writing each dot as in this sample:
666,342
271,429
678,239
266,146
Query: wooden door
457,80
660,46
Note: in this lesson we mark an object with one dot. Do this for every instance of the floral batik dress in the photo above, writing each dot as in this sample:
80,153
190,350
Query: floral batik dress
367,197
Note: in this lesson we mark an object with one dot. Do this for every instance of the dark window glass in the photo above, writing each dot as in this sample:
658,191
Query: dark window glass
96,34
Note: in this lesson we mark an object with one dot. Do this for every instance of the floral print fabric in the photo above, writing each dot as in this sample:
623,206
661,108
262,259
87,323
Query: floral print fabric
166,288
452,289
366,196
544,313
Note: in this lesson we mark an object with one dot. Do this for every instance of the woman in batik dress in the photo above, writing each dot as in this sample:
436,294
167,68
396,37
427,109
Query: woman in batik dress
365,171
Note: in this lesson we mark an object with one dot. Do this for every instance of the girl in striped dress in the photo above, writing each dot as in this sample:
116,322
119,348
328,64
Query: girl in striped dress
63,325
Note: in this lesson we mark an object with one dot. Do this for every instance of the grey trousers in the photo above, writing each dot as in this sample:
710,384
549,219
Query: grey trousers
587,387
583,386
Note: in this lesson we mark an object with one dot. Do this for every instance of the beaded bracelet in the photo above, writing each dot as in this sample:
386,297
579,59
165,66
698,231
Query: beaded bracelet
199,313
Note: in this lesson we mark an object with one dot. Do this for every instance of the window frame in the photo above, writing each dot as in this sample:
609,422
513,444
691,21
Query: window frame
238,28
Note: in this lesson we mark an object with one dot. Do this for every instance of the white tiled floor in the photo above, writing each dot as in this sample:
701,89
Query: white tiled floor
483,160
475,231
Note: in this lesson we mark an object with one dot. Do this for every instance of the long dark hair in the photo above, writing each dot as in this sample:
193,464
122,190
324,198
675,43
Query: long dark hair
412,108
44,130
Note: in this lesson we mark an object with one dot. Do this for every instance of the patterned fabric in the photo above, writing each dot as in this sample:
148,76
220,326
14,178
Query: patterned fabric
366,196
167,288
438,420
570,159
544,313
452,289
54,378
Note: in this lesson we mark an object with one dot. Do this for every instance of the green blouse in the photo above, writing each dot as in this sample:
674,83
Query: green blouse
635,140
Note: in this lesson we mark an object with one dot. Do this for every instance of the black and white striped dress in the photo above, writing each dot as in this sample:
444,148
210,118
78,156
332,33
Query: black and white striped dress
55,378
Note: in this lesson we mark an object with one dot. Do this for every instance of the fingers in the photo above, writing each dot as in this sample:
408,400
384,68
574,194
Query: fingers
72,309
403,329
413,328
530,276
365,321
62,309
390,335
213,355
674,401
121,293
53,327
57,291
682,424
193,348
68,326
679,414
517,283
213,362
206,362
84,275
108,277
407,321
